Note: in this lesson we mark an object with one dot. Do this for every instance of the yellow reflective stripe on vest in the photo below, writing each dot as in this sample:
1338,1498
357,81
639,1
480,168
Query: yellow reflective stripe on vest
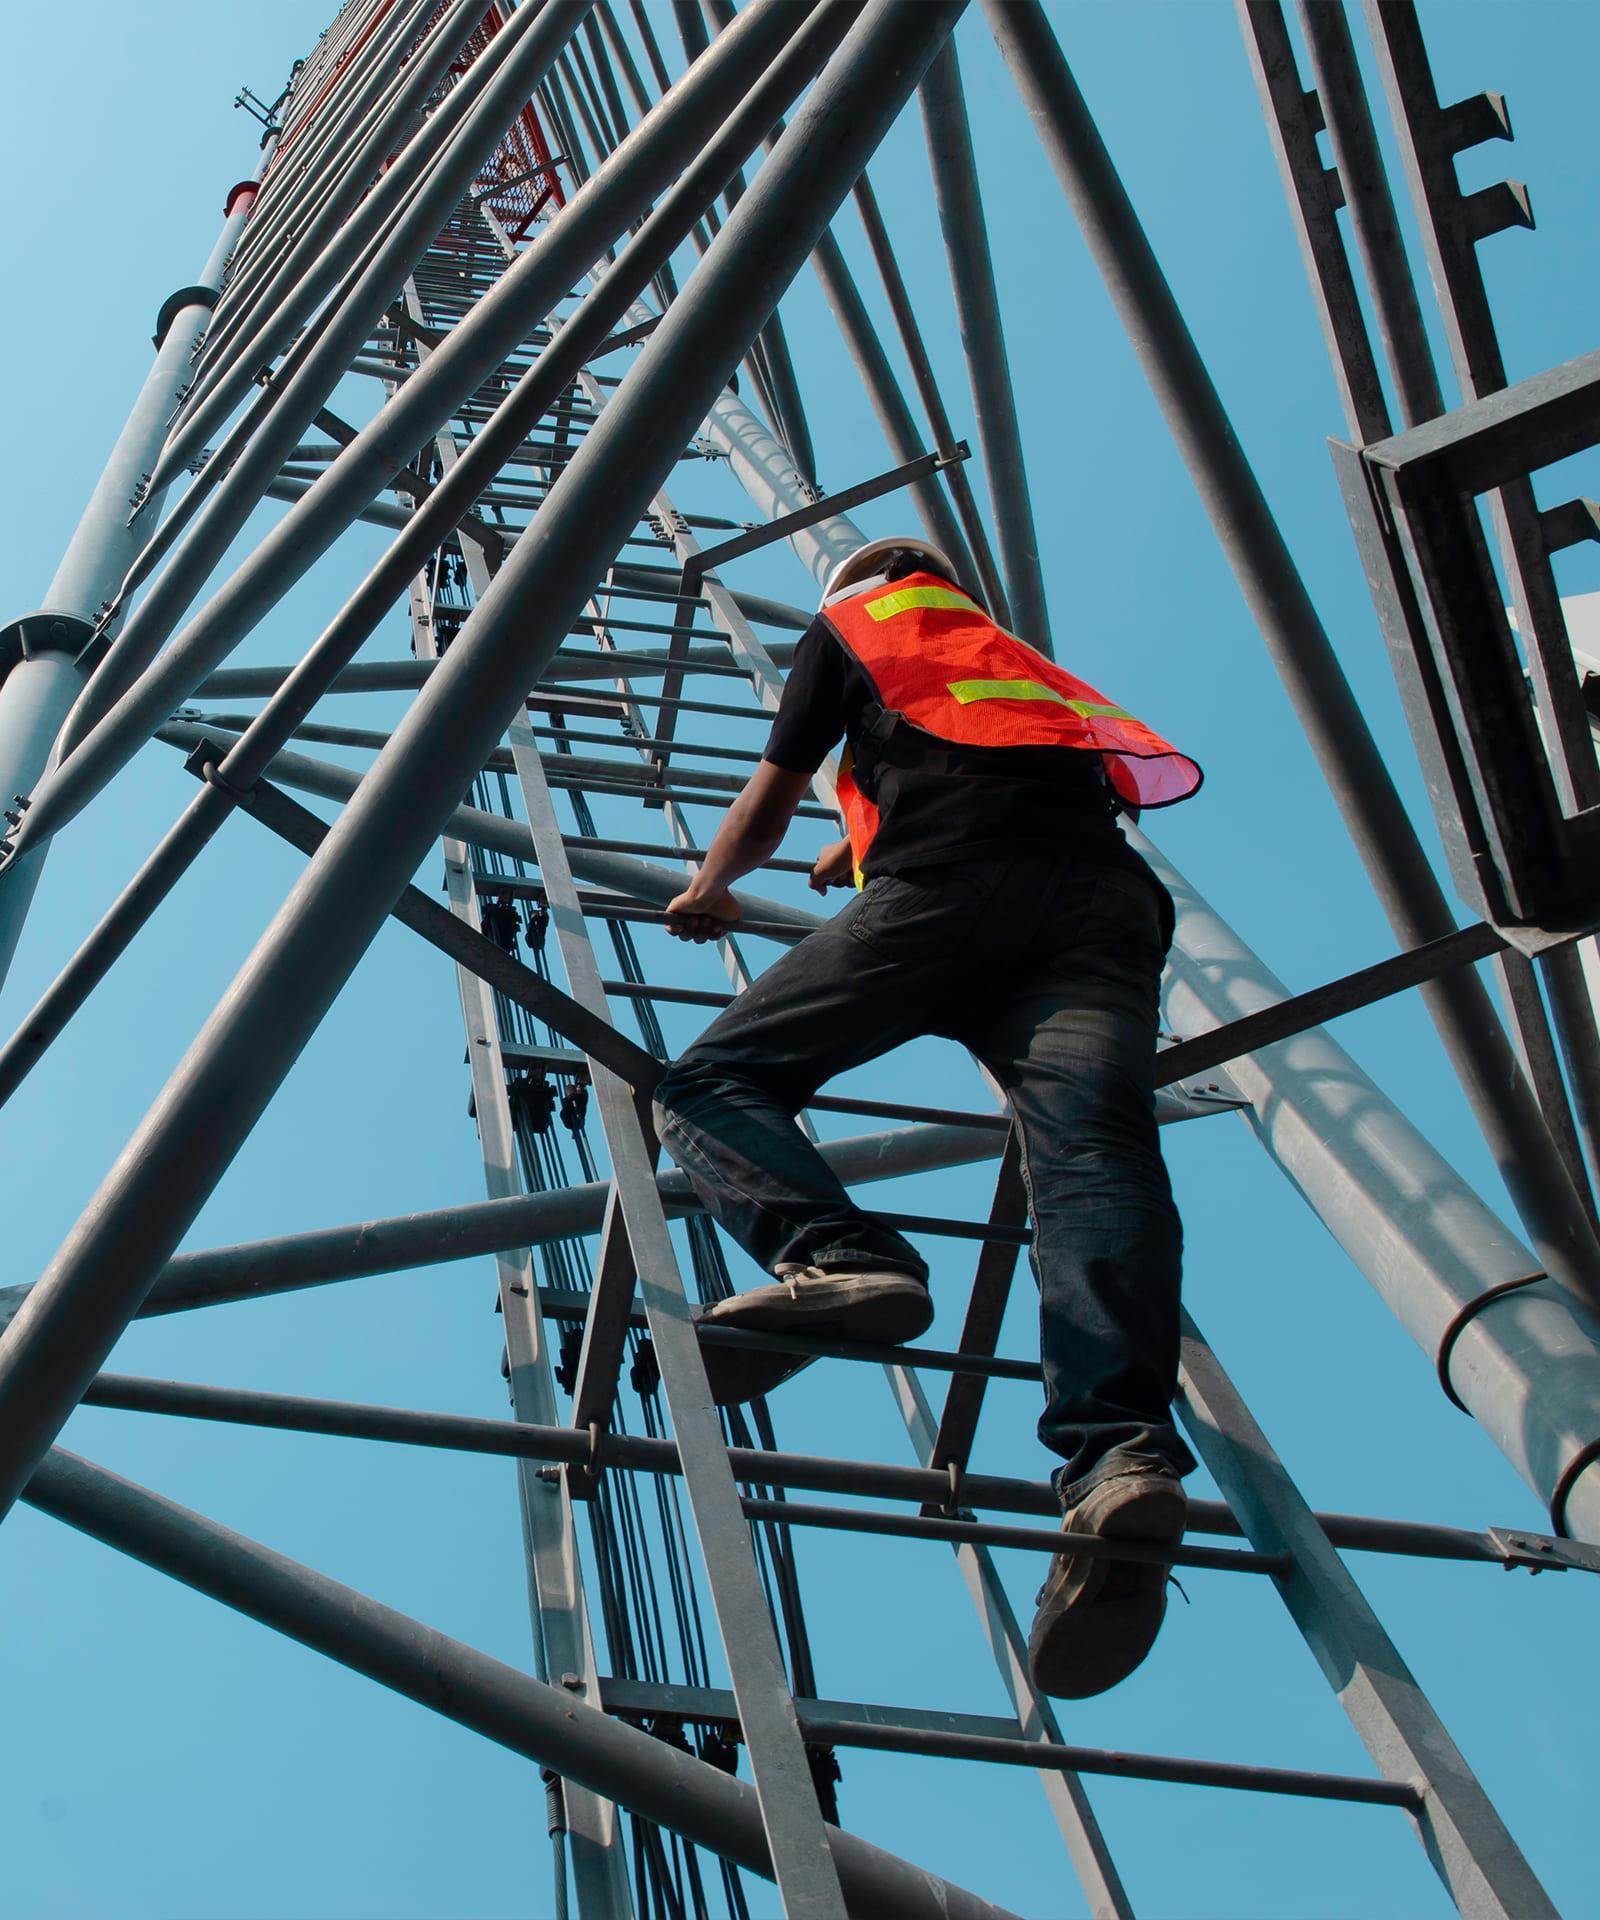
887,605
966,691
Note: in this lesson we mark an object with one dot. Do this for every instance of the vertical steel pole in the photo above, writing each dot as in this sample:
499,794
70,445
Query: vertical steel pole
983,340
38,692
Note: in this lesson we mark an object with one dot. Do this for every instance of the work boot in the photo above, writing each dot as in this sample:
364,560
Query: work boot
1098,1617
878,1306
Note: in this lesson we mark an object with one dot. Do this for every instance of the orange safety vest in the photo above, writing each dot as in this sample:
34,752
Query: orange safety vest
937,660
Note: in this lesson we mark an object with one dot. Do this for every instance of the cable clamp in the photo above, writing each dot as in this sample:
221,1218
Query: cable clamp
1463,1317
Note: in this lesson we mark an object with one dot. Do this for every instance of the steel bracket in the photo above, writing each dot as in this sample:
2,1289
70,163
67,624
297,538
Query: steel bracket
1541,1552
698,565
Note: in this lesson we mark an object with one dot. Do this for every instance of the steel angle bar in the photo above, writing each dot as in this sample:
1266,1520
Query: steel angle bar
1333,722
1086,1845
560,1617
1481,1867
966,238
907,475
1132,1766
473,349
636,1241
542,1722
986,1306
1363,988
1524,1361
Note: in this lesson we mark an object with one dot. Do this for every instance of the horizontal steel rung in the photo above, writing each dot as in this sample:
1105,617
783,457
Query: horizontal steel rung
846,1723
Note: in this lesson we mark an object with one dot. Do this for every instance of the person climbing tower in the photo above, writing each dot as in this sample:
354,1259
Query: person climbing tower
997,904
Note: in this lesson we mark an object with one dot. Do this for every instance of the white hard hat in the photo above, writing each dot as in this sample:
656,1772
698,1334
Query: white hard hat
860,564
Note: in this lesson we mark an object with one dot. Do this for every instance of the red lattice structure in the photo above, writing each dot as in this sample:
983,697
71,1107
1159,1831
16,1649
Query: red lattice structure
521,179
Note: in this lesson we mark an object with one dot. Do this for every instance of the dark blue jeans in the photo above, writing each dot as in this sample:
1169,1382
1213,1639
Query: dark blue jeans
1049,976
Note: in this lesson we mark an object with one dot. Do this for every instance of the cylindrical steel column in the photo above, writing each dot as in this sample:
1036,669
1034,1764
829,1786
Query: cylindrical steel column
37,694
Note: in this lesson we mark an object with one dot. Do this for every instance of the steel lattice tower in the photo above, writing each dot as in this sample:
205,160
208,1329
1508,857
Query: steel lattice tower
490,214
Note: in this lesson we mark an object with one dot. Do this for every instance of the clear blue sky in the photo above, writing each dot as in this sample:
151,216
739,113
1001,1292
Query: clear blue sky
164,1757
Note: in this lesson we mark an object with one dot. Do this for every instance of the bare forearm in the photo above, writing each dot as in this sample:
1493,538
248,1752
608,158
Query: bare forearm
751,829
740,845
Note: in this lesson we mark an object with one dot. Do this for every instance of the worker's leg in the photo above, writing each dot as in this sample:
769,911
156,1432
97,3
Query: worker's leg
1071,1036
877,974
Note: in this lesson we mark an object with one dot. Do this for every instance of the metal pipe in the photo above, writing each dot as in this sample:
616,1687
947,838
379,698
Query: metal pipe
544,1723
944,435
638,879
1334,724
38,692
787,406
966,239
1464,1838
888,402
761,1467
217,1276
